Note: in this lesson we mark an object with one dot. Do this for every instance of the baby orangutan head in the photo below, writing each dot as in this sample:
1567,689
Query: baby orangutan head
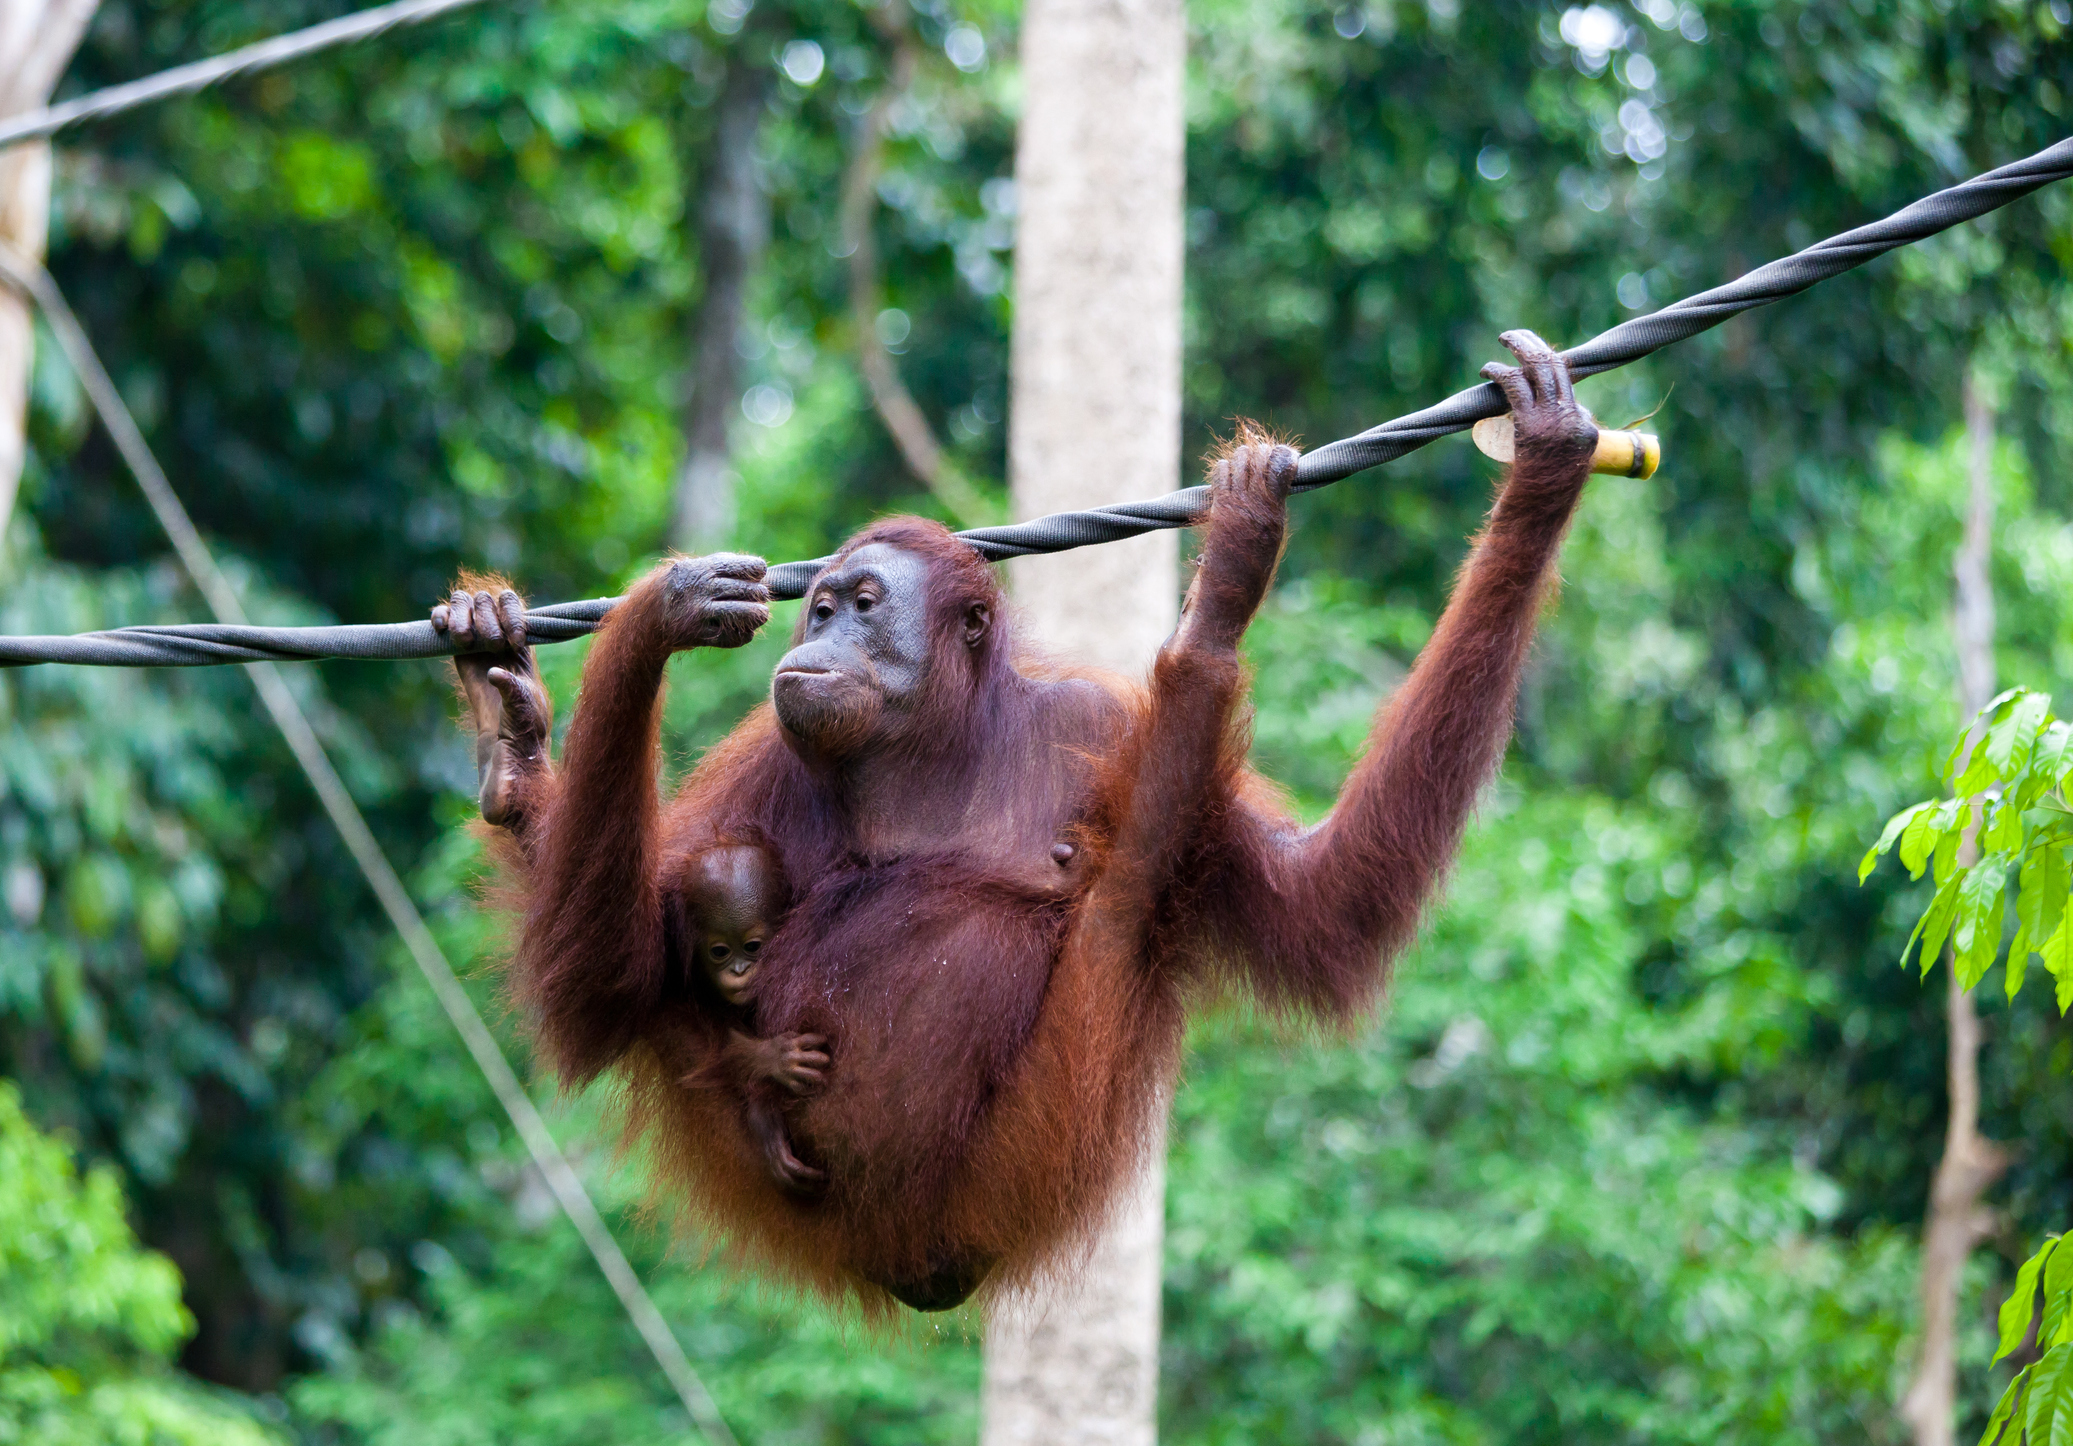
735,898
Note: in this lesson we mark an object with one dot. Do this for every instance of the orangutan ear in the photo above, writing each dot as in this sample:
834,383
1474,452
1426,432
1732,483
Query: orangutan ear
978,618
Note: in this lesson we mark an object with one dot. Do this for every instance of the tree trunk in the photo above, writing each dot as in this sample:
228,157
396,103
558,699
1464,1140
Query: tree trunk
1957,1220
37,38
1095,417
733,229
1077,1363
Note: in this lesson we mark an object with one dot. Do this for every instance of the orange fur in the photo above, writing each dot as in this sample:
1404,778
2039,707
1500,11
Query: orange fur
1003,1027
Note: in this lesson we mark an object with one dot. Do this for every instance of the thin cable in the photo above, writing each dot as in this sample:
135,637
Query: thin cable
1632,340
250,60
345,815
193,645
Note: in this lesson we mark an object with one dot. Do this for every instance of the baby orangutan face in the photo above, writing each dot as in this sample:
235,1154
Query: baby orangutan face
735,900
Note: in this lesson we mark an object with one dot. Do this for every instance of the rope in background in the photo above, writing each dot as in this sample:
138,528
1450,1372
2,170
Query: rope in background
250,60
197,644
561,1177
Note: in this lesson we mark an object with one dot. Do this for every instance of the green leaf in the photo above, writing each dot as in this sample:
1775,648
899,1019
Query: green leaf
2051,1326
2018,960
1918,835
2003,1412
2004,831
2057,1283
2057,953
1921,925
1891,832
2021,1305
2048,1413
2042,888
1944,862
1979,776
1935,924
2006,695
2048,764
1965,734
2010,741
1976,935
2054,754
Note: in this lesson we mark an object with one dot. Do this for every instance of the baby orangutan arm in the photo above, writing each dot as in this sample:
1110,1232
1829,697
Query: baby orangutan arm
754,1069
793,1062
508,708
766,1125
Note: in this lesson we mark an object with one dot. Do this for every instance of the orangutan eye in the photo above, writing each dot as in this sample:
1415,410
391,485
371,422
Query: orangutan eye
823,610
718,953
752,947
865,602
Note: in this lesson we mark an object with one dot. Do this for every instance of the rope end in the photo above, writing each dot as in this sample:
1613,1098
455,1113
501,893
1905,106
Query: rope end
1618,453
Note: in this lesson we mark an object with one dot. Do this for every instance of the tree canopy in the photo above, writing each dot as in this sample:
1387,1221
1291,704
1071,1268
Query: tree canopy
1639,1149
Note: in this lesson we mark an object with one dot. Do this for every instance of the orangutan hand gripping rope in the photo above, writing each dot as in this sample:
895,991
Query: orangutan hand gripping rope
1002,875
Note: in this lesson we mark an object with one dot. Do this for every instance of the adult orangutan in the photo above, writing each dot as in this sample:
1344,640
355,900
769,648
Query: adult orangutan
1005,876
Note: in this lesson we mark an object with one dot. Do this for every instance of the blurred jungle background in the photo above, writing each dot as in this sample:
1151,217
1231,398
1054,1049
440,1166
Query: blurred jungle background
1640,1149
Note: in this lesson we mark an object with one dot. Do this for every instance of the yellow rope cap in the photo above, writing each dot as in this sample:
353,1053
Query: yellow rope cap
1620,454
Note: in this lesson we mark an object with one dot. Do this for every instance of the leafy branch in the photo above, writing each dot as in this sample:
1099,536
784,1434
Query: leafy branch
2038,1404
2009,790
2013,786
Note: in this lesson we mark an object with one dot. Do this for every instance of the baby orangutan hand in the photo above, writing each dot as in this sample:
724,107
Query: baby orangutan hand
508,708
796,1062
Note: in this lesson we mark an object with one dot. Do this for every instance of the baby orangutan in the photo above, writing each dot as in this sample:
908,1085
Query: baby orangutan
733,900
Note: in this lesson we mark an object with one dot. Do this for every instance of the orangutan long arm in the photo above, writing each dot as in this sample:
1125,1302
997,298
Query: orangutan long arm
1310,918
1330,906
1170,778
591,960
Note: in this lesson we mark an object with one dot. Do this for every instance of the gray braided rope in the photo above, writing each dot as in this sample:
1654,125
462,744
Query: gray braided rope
250,60
197,644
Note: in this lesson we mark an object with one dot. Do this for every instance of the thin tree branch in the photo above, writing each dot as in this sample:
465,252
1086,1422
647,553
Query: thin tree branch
1971,1163
896,406
733,230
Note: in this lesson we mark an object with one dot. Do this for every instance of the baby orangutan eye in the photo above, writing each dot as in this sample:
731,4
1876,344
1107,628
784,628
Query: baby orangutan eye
718,953
752,947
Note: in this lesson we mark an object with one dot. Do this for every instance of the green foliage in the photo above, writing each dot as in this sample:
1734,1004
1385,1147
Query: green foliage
88,1321
1637,1151
2037,1320
1480,1223
2007,774
496,1357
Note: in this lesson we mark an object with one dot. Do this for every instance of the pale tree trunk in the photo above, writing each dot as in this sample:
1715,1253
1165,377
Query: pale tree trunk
733,229
1957,1220
1095,418
37,38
